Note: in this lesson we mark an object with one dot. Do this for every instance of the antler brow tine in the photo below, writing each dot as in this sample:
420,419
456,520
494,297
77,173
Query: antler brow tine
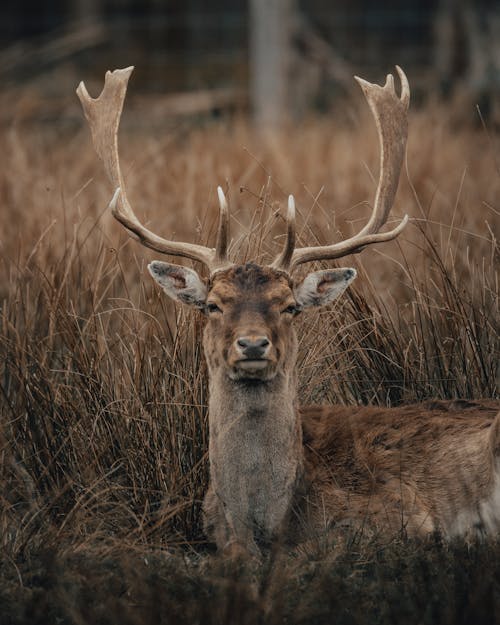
390,112
103,115
223,232
284,259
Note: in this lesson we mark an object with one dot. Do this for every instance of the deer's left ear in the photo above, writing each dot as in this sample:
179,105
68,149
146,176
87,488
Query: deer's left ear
322,287
180,283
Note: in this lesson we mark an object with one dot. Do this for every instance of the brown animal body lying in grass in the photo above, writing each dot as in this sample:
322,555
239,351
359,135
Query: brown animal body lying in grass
419,469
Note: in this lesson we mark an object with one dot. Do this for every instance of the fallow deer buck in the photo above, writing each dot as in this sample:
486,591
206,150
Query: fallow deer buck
275,467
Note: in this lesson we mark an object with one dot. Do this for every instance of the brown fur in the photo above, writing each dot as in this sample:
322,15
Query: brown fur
414,468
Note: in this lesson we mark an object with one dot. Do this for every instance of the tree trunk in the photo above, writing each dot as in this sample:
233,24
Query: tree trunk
270,45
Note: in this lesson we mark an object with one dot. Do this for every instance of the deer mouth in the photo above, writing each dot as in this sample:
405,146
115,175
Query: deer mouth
257,364
253,370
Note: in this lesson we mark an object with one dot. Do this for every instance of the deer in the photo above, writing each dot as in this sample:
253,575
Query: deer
280,469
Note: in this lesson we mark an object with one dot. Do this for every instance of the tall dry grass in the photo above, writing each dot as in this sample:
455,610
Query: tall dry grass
103,432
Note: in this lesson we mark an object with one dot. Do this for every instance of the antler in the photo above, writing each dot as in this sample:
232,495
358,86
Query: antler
103,115
391,118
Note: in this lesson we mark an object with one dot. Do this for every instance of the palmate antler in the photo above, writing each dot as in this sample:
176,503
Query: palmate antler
391,117
390,113
103,115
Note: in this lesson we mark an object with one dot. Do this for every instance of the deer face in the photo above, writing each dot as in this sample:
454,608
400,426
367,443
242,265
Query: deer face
249,331
250,309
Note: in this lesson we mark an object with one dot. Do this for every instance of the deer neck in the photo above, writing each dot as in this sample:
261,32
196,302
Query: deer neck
267,406
255,450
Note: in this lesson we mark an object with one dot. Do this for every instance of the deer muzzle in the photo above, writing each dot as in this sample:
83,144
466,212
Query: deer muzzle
252,352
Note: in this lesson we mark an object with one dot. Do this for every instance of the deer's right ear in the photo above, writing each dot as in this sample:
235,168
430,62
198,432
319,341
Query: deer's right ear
180,283
322,287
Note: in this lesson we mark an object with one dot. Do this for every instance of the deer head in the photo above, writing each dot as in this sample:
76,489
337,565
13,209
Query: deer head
250,308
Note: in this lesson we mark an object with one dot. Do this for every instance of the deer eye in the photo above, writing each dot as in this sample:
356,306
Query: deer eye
212,308
290,310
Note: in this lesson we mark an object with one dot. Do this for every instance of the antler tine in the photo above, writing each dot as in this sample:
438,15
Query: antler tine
391,118
284,259
223,231
103,116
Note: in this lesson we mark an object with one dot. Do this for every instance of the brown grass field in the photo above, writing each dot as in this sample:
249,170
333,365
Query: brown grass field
103,437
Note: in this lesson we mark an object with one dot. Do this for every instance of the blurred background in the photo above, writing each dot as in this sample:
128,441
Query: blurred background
278,59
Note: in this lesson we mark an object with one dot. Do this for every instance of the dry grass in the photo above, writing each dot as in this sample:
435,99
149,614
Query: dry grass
103,386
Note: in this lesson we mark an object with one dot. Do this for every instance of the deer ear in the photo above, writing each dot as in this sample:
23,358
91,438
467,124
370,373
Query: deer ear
179,283
322,287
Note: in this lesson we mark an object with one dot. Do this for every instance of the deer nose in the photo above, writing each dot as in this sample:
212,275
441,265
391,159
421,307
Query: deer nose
253,347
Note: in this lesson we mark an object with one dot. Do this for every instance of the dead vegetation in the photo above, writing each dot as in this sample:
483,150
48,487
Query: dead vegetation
103,388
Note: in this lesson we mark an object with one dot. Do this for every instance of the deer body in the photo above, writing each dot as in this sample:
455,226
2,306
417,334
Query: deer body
276,470
280,471
418,469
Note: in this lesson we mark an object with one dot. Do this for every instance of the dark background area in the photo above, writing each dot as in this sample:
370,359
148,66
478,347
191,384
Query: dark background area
190,46
201,37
